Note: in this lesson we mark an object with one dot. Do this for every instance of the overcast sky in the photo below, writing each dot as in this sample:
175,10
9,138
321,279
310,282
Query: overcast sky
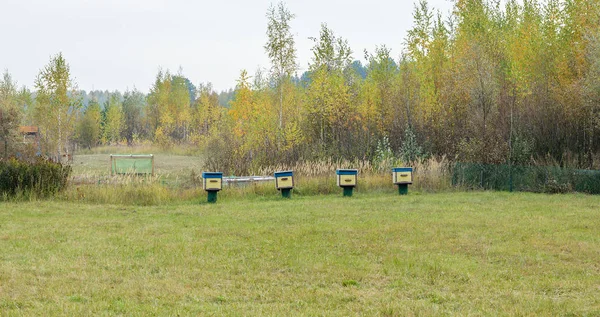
120,44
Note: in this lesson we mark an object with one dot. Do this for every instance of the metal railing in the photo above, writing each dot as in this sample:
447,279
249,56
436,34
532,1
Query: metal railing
244,180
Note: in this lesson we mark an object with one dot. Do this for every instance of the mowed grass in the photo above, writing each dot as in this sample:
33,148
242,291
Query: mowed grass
373,254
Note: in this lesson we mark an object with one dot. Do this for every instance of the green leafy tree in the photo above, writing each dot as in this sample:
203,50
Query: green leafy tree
113,120
411,151
207,109
281,49
133,116
90,126
10,114
328,114
169,109
158,100
180,107
382,81
57,104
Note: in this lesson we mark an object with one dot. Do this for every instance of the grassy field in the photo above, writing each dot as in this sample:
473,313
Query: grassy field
165,164
172,170
373,254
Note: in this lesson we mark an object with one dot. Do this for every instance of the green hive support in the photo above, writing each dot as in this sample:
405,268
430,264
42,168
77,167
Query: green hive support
348,191
212,196
286,193
403,189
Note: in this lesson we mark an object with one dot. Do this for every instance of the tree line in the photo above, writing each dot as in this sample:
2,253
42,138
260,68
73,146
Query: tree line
515,83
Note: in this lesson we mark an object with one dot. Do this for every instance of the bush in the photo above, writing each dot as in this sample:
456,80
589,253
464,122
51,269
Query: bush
411,151
41,178
221,153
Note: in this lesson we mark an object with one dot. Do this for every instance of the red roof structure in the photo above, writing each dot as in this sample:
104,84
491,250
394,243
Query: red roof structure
29,130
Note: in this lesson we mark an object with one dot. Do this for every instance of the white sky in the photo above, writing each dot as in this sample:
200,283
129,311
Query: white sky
113,44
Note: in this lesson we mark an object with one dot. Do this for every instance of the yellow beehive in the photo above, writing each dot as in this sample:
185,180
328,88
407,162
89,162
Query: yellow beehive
212,181
402,175
284,180
347,178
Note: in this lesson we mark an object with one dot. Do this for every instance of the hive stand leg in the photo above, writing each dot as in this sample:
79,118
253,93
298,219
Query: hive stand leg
348,191
212,196
403,189
286,193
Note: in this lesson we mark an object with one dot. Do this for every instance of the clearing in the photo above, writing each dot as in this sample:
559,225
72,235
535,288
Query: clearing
166,164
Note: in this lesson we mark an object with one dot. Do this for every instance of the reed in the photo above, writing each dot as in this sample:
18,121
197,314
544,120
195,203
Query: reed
312,178
430,175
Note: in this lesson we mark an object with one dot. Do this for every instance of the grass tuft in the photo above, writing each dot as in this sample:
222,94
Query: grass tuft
347,283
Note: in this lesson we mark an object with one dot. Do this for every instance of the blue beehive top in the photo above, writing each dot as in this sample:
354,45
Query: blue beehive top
284,174
212,175
402,169
346,172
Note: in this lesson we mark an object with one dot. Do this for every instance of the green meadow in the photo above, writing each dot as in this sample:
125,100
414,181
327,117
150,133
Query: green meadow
477,253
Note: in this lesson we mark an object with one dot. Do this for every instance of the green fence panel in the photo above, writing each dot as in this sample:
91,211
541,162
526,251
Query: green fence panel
525,178
127,164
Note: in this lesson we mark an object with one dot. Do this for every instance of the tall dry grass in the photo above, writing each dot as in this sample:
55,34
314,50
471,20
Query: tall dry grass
311,178
430,175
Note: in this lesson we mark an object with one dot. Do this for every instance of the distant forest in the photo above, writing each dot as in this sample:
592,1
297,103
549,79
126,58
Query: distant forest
102,97
517,82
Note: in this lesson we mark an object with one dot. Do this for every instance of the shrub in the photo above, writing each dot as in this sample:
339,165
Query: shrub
41,178
411,151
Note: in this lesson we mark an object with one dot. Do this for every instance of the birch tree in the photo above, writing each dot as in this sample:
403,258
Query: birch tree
10,113
57,103
281,49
